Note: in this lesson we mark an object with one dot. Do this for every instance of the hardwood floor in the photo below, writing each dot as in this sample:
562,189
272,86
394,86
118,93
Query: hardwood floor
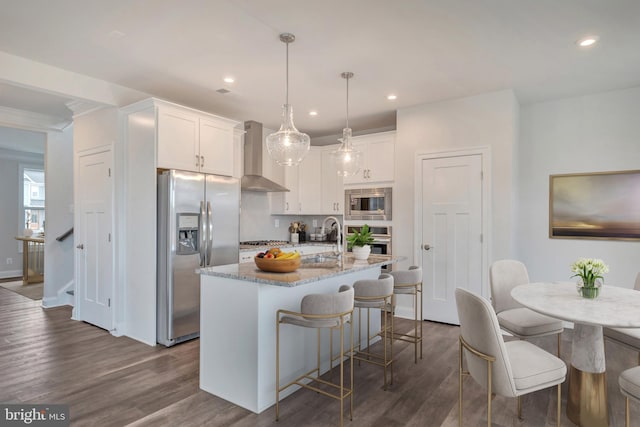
47,358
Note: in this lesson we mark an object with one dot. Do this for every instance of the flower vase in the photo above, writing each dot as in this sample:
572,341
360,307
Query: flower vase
589,290
361,252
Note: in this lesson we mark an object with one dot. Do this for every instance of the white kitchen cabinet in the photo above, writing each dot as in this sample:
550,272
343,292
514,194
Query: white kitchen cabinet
217,152
332,198
196,142
247,256
305,185
291,201
178,144
310,184
378,158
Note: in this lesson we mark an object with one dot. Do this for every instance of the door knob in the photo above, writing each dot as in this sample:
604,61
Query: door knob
426,247
80,246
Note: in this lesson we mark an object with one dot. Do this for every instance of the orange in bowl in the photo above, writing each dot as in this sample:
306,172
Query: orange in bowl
275,265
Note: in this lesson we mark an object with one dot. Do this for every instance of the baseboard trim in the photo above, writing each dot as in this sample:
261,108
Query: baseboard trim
11,274
62,297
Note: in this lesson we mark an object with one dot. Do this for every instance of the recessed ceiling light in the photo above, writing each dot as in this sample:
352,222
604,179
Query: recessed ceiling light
229,80
313,113
392,97
115,34
587,41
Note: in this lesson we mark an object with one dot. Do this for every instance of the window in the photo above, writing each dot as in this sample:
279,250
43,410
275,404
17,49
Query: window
33,199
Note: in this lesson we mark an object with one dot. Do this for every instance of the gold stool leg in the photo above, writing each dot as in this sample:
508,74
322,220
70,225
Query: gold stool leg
415,311
460,385
351,369
421,317
391,340
559,404
341,370
277,367
520,408
626,412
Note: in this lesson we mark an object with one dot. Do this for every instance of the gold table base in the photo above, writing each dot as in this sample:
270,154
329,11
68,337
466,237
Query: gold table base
587,399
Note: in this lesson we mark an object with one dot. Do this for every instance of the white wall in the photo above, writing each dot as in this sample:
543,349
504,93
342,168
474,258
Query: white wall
59,256
591,133
487,120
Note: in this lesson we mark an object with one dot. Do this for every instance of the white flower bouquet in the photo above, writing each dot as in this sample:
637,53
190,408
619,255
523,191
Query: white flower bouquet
589,270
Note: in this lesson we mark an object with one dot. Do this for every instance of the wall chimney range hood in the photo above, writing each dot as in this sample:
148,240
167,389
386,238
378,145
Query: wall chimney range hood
253,179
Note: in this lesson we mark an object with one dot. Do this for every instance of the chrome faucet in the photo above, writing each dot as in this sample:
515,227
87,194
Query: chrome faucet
340,235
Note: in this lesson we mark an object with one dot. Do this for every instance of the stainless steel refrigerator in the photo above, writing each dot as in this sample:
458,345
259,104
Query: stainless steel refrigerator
198,226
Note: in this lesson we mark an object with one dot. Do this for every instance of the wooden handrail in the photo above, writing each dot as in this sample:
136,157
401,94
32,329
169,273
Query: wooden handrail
64,235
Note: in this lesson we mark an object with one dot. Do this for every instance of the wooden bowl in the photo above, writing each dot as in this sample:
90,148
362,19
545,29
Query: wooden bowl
275,265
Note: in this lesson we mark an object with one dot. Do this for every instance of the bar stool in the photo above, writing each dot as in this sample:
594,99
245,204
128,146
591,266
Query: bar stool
629,382
409,282
376,294
320,311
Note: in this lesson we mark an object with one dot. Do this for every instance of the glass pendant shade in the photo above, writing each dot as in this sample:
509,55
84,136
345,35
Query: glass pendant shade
288,146
347,160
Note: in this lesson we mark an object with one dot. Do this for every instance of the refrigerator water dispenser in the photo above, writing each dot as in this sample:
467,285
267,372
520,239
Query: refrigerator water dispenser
188,226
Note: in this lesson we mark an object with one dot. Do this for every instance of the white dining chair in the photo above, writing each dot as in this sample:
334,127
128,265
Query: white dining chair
629,337
519,321
509,369
629,382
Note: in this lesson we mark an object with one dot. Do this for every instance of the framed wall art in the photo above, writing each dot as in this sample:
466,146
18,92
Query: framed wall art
601,205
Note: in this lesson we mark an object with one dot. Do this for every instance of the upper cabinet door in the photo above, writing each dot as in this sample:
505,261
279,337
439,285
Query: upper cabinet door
380,160
216,148
332,188
178,140
378,152
310,183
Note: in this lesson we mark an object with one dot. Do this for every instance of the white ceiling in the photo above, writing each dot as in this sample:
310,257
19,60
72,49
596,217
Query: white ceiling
422,50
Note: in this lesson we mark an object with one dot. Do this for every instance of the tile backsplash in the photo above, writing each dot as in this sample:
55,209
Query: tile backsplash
257,223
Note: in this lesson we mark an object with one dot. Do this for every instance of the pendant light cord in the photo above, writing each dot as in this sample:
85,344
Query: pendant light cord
347,101
286,90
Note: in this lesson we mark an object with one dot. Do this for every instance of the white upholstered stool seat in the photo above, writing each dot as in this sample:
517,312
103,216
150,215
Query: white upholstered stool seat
629,382
320,311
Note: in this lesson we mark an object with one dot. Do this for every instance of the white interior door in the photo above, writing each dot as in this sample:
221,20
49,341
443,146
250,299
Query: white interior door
451,248
94,254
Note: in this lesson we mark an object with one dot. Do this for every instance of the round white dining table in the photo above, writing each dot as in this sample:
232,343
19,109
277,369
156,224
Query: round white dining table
615,307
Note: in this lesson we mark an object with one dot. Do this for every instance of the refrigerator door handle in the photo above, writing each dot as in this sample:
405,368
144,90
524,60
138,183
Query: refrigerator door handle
203,232
209,232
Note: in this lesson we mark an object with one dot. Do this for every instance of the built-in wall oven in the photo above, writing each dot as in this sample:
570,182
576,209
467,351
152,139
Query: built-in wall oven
381,240
368,204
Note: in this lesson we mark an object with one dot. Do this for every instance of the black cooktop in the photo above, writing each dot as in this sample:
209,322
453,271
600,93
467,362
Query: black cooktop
264,243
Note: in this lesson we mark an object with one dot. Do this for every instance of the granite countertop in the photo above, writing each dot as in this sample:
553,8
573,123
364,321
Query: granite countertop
307,272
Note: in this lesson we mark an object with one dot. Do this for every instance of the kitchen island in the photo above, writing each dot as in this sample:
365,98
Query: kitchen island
238,325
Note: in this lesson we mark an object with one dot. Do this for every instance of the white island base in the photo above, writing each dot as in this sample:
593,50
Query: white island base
238,332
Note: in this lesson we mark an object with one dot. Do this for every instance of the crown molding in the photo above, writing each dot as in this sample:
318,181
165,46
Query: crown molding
80,108
22,119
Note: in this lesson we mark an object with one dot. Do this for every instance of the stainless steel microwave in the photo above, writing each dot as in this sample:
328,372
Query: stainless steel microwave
368,204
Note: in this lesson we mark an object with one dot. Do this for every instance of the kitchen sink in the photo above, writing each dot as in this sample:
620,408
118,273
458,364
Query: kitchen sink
321,260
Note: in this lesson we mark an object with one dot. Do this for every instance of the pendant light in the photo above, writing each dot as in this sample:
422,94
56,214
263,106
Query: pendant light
288,146
347,160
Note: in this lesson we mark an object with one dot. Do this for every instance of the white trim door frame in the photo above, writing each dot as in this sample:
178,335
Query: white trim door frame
438,285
